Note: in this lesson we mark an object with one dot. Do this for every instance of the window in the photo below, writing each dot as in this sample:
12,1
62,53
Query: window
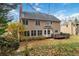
44,31
48,23
27,33
33,33
37,22
48,31
39,32
26,21
56,31
23,21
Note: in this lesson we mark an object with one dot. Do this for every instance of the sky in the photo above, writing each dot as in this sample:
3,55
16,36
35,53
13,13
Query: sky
60,10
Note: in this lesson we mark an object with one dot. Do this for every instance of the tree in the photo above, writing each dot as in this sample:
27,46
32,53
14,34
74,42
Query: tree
7,45
4,9
16,28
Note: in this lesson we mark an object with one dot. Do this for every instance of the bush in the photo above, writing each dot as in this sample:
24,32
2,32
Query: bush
8,46
67,35
25,52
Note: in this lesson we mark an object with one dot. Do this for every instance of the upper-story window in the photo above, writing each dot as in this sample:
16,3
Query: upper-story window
49,23
25,21
37,22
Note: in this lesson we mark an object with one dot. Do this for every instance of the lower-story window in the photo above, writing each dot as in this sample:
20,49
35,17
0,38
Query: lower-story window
33,33
27,33
56,31
45,32
48,31
39,32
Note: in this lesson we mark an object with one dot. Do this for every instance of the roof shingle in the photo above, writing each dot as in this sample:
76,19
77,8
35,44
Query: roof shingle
39,16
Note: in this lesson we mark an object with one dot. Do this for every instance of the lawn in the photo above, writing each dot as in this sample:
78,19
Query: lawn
54,47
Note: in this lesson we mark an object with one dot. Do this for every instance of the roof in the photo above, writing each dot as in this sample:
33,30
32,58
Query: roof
39,16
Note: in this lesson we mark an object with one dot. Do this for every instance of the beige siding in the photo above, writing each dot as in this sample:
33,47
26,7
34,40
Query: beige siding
56,26
32,26
71,29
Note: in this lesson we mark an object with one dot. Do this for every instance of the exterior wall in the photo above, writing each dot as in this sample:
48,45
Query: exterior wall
56,26
74,31
68,28
32,26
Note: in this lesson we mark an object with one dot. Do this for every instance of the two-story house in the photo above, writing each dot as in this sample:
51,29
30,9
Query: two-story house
40,24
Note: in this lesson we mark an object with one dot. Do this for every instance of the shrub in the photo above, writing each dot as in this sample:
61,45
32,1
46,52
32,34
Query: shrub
8,46
25,52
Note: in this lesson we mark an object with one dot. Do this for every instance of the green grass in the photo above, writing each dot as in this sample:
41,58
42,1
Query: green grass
54,47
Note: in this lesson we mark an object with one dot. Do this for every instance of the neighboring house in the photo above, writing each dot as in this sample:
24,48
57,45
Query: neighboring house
40,24
70,27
